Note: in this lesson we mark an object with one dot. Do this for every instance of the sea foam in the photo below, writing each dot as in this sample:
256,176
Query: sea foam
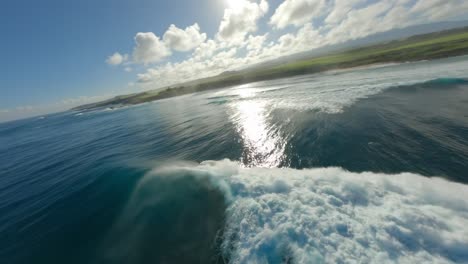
219,211
329,215
333,92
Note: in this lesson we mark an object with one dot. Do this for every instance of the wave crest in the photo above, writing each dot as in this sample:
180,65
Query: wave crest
331,215
327,215
447,81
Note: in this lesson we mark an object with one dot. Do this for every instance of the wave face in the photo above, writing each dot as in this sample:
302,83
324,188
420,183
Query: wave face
300,216
447,81
175,215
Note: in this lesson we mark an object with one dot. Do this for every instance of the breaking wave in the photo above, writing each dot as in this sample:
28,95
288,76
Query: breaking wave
175,215
447,81
222,212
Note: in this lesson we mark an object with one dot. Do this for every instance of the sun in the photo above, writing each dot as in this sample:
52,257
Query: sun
235,5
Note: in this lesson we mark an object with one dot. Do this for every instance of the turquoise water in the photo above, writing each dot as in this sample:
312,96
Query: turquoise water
364,165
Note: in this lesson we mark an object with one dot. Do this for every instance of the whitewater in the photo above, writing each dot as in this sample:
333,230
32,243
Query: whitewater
318,215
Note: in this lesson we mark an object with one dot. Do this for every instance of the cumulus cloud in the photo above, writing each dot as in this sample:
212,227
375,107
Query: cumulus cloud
206,49
316,23
356,22
297,12
193,68
237,23
116,59
184,39
439,9
146,77
331,215
149,48
340,9
306,38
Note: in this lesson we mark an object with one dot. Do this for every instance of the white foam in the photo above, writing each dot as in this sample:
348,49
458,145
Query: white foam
334,216
332,92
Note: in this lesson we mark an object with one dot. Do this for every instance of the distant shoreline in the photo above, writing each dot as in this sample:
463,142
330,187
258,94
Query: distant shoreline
431,46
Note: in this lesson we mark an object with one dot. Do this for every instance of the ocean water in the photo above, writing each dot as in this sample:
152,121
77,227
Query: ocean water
368,165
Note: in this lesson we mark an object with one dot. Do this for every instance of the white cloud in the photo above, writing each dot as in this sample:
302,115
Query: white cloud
145,77
116,59
342,20
347,22
362,22
439,9
297,12
4,111
149,48
193,68
184,40
340,9
237,23
256,42
206,49
128,69
211,58
306,38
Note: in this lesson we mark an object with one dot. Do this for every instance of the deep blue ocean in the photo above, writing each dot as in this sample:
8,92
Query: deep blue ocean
368,165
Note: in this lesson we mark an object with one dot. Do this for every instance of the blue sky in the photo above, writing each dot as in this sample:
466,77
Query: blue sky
54,52
55,49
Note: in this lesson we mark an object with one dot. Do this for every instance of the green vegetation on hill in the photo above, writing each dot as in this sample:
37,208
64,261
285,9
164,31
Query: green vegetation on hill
423,47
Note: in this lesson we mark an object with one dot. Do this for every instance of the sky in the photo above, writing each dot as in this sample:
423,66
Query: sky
57,54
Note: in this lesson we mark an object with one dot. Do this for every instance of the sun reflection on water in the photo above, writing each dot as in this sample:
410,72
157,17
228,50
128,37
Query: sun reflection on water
263,145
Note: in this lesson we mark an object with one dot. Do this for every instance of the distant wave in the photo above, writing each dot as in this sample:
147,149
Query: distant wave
432,83
437,83
447,81
322,215
333,94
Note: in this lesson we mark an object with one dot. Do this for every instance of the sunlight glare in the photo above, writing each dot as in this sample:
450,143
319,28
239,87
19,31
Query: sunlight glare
235,5
263,144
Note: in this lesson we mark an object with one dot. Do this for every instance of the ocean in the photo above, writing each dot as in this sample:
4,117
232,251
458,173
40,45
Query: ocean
366,165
